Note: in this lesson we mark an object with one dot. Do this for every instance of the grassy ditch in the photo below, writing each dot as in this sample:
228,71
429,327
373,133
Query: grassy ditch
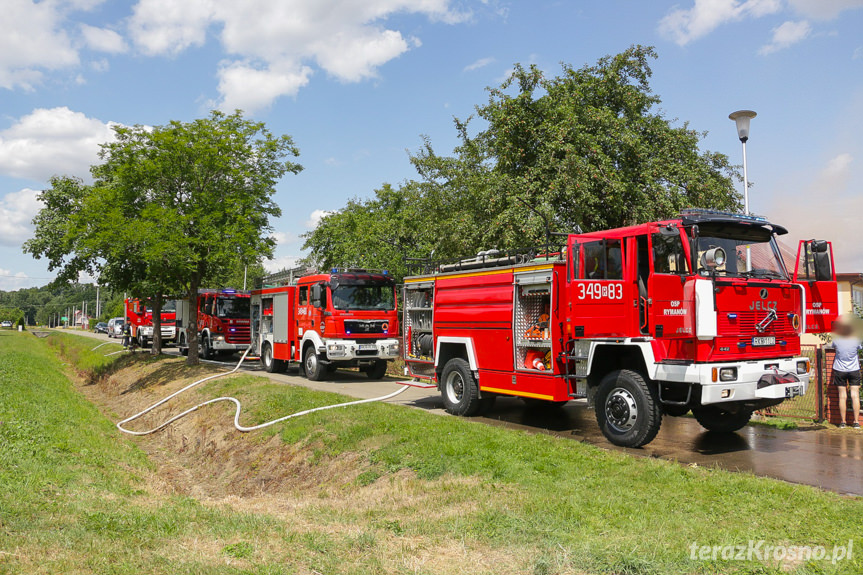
369,489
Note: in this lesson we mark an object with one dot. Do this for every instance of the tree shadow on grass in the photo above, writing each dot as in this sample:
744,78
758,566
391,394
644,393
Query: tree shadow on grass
162,375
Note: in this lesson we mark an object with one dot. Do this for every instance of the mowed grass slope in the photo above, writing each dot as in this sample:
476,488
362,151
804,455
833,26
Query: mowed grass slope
374,488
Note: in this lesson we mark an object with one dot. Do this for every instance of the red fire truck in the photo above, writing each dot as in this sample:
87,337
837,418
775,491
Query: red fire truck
139,316
223,322
346,318
696,313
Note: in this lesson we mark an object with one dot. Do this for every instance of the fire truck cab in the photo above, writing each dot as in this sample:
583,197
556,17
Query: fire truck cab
345,318
223,322
696,313
139,317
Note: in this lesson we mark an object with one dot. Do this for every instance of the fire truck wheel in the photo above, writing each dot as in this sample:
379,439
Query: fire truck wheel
271,365
314,369
377,370
459,388
206,350
142,342
714,419
627,409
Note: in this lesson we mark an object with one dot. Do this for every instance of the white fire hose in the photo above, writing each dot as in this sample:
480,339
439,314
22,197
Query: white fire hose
236,402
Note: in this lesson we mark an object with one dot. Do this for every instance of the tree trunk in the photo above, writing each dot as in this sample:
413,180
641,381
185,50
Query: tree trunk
192,322
156,347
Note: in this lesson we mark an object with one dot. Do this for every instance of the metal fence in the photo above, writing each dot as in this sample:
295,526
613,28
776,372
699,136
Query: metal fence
811,405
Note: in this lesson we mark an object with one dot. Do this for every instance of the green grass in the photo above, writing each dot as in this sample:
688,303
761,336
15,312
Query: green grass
73,499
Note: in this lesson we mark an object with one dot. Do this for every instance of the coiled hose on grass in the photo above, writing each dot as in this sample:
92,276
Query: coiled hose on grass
236,402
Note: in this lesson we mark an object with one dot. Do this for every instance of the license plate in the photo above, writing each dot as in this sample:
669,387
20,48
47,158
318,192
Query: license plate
793,391
365,346
763,341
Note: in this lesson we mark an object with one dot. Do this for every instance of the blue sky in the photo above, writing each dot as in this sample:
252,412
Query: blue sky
357,82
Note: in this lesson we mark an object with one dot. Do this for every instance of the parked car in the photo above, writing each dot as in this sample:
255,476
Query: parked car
101,327
115,327
6,323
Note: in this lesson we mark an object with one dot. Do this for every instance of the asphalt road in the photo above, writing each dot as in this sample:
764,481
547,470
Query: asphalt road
827,458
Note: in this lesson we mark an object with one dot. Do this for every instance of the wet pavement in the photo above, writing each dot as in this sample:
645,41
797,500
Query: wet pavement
827,458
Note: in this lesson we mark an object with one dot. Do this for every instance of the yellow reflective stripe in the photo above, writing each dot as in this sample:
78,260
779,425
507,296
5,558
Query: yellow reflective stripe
519,393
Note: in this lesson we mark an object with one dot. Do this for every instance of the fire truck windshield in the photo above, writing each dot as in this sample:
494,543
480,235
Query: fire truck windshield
233,307
360,297
760,250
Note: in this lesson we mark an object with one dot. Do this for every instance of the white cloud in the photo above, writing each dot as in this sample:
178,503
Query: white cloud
273,44
10,280
836,173
481,63
103,39
32,40
280,263
283,238
17,210
248,88
858,53
785,35
685,25
52,141
824,9
315,218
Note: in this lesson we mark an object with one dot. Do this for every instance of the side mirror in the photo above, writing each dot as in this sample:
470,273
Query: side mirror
316,295
823,262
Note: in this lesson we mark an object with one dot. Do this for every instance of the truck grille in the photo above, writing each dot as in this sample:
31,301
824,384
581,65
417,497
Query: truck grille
241,334
353,326
745,322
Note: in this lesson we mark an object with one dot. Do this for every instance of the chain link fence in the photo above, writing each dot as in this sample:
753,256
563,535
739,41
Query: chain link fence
811,405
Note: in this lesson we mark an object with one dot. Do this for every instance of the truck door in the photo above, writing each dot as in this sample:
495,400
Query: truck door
669,312
815,273
598,292
304,311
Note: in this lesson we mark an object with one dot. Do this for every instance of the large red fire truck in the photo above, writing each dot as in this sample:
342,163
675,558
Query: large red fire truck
346,318
139,316
695,313
223,322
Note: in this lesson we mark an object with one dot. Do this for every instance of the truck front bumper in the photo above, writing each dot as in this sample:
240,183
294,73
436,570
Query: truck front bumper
219,344
771,379
349,349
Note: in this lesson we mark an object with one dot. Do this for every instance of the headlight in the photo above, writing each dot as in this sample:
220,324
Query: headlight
713,258
394,349
803,366
219,338
336,350
728,374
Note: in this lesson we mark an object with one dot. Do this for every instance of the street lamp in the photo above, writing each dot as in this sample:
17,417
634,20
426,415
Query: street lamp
742,118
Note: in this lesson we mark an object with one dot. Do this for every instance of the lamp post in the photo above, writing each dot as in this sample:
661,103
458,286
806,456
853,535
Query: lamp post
742,118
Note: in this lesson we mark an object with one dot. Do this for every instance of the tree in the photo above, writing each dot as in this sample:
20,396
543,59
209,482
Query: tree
171,208
589,147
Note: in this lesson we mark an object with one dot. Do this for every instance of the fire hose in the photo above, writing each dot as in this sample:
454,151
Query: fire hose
236,402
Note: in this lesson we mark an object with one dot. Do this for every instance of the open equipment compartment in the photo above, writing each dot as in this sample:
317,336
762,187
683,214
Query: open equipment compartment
532,321
418,337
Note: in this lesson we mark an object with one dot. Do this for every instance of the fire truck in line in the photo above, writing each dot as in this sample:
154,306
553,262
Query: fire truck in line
345,318
139,316
223,322
695,313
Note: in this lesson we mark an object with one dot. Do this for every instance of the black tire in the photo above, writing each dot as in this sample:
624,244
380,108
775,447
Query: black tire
377,370
675,410
271,364
459,388
206,350
331,367
181,345
142,342
627,409
312,364
712,418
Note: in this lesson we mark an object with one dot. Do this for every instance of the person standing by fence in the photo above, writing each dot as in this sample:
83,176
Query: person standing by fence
846,369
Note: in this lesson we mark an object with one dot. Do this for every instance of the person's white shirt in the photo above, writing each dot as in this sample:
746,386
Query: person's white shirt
846,358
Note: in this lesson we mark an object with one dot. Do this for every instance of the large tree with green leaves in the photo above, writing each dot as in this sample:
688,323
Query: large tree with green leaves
171,208
589,147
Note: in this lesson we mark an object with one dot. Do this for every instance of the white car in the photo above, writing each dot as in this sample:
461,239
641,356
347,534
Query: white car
6,323
115,327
